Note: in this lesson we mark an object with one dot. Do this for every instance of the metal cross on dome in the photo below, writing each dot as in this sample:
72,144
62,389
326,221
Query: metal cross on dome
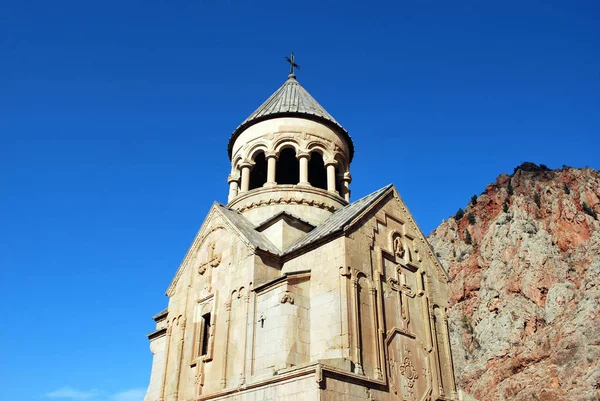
292,63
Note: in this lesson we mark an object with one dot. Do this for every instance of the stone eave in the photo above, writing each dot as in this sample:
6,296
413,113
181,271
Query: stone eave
281,279
157,334
312,246
283,214
161,315
307,116
318,369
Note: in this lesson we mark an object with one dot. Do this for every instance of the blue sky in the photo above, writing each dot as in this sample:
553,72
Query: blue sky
115,116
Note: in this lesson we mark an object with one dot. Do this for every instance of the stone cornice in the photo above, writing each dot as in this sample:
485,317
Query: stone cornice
319,371
157,334
161,315
279,198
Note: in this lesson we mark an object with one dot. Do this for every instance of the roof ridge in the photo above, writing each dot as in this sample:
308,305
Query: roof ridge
245,227
338,220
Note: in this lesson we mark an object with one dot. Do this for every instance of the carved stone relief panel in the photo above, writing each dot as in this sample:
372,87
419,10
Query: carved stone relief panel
211,251
407,368
395,304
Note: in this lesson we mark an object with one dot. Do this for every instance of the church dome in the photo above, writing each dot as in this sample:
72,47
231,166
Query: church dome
291,100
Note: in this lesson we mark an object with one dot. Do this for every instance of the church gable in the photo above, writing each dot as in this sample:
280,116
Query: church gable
284,229
403,234
399,290
217,230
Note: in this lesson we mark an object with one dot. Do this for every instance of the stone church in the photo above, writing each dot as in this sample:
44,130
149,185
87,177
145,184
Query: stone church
293,292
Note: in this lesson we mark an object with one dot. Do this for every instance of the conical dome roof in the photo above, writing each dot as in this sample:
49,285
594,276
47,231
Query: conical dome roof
291,100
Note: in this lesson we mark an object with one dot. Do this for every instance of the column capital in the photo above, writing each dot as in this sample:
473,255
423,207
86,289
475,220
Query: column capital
232,178
246,164
347,177
331,162
301,154
274,155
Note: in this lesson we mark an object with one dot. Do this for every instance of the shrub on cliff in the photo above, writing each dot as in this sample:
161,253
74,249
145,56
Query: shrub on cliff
471,218
589,210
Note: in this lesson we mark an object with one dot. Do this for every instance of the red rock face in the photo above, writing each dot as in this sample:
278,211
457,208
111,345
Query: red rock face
525,294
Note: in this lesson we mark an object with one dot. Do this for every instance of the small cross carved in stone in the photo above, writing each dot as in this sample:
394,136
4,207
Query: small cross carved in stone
261,320
212,260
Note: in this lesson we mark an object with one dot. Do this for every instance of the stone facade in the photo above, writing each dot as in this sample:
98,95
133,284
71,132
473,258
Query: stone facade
290,292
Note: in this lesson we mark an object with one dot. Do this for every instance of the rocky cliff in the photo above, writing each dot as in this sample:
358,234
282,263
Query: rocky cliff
524,259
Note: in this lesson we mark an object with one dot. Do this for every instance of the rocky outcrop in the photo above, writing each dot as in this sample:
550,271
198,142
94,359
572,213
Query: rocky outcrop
524,260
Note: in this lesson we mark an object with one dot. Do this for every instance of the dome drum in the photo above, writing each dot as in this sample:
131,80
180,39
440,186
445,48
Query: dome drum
289,162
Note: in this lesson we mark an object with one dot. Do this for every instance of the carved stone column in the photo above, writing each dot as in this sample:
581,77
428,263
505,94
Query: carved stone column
345,189
436,346
271,169
449,356
378,372
356,327
233,182
330,165
303,157
163,389
225,361
180,349
246,167
245,331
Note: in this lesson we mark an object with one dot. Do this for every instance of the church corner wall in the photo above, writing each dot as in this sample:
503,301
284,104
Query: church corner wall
328,336
157,347
397,304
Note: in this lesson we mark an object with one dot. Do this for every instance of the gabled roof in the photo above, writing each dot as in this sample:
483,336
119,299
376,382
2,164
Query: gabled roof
291,100
239,224
338,220
280,215
246,228
334,224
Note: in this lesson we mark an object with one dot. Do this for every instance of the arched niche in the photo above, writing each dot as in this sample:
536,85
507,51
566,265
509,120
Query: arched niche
288,167
235,165
258,175
317,174
399,248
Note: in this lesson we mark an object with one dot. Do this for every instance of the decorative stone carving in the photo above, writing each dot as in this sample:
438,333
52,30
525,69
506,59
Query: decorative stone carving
287,297
212,260
290,201
408,371
399,250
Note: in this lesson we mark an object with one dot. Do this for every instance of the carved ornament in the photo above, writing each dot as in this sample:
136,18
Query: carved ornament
289,201
399,250
212,260
287,297
406,369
